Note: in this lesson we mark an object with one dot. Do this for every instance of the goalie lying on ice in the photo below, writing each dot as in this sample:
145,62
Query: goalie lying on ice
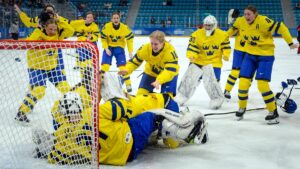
121,139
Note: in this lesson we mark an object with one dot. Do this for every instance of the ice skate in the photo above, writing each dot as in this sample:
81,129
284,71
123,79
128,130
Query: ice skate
240,114
227,95
272,117
22,118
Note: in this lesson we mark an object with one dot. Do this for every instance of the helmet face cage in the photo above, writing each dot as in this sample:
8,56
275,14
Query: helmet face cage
70,104
210,24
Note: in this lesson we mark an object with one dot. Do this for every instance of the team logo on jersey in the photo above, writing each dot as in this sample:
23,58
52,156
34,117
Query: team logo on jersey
205,47
242,43
210,53
255,38
127,138
114,38
215,46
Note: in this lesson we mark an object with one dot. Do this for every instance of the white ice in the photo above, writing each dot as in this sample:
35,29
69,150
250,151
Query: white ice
247,144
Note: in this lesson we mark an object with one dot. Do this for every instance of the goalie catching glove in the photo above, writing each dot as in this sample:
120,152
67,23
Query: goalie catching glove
232,15
187,126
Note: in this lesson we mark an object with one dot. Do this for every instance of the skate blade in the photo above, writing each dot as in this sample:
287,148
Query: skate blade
274,121
239,118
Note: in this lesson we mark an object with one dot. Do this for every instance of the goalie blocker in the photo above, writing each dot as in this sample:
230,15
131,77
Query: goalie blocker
192,78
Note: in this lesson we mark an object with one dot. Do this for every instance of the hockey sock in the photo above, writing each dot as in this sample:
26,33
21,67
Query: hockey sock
232,79
32,98
267,94
244,86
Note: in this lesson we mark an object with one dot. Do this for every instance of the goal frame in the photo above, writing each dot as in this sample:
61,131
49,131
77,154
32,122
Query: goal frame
67,44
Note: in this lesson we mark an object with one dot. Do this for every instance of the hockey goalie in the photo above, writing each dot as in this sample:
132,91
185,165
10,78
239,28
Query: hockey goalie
207,47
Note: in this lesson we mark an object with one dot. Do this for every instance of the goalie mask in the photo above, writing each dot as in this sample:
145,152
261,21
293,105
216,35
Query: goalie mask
210,24
70,104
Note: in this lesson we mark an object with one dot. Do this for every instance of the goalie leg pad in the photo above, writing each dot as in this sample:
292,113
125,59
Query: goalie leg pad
111,87
44,142
188,84
212,87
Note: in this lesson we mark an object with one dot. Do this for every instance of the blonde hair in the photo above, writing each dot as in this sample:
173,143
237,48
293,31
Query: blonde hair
158,35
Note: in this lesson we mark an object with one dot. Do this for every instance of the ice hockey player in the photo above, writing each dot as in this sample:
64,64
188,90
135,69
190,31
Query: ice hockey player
121,139
257,31
38,71
161,68
238,53
207,47
114,37
85,30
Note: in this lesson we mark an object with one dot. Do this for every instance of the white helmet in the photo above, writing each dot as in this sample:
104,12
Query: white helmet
70,103
212,21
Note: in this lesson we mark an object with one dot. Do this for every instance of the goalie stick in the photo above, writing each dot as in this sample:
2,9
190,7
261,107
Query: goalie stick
232,112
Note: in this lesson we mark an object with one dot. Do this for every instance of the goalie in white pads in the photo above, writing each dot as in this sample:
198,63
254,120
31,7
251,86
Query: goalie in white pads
207,47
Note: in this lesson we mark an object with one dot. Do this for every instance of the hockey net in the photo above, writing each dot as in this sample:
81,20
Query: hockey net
40,80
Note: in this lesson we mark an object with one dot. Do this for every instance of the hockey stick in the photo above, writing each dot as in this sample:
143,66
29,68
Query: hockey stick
232,112
118,70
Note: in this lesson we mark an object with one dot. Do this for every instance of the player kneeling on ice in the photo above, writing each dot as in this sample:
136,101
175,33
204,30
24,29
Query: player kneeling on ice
205,51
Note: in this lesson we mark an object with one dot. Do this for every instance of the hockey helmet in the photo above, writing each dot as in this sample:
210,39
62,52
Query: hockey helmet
210,24
70,104
290,106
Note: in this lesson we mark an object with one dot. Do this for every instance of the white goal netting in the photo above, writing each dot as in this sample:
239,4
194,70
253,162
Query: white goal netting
48,104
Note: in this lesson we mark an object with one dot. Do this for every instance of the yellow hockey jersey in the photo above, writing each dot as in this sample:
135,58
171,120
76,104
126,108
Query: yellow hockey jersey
82,30
115,135
239,40
117,38
163,65
259,35
115,141
117,108
33,22
46,59
73,142
204,50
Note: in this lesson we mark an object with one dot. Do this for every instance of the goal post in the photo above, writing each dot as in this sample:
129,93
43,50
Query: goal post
49,104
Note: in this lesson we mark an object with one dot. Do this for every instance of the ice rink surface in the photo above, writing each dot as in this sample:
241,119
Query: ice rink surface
247,144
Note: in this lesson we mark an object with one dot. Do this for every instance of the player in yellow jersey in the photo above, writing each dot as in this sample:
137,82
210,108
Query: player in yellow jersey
71,141
126,123
34,23
114,37
207,47
258,33
121,139
161,69
238,53
85,30
39,72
